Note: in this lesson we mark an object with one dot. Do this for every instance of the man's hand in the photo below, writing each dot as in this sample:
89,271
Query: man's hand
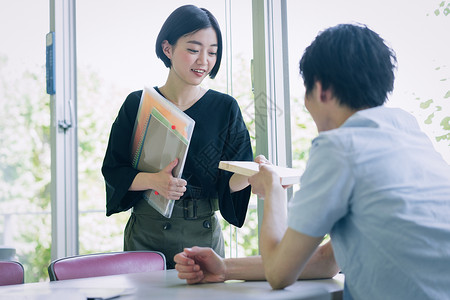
263,181
258,189
200,265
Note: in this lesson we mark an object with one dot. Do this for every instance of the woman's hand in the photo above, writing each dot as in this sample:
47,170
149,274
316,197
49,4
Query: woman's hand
168,186
261,159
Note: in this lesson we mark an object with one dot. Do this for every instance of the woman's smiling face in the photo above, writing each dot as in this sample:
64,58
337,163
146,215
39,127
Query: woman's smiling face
194,55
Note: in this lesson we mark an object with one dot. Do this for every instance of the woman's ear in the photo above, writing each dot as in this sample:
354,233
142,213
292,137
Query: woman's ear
167,49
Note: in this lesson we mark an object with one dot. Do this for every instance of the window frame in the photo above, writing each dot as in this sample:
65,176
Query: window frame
271,85
64,142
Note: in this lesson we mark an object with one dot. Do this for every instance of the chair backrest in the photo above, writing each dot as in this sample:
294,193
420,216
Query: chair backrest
11,272
101,264
7,253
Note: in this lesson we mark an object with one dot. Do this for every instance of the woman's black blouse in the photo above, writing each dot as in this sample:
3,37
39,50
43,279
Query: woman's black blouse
219,134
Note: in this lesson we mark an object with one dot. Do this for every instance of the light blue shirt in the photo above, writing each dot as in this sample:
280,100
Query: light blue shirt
379,188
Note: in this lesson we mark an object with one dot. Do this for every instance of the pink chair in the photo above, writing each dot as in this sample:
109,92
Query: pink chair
101,264
11,272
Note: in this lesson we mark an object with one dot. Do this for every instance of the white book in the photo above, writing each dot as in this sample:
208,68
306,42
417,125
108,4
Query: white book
249,168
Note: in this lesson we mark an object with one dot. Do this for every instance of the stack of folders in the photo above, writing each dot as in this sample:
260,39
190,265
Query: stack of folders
162,132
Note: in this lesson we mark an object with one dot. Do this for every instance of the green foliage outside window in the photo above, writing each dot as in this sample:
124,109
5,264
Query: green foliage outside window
25,166
25,160
434,106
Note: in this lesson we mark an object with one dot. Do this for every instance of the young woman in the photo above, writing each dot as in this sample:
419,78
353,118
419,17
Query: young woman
190,45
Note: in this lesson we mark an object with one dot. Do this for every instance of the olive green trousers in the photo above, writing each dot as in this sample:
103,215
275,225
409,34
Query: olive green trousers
193,223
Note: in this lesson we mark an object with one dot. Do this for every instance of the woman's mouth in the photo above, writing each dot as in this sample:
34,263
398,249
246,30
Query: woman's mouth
199,72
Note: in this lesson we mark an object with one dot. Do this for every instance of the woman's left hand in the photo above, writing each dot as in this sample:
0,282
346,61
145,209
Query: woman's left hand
261,159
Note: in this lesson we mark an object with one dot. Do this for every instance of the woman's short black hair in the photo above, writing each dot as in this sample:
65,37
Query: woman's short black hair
185,20
354,62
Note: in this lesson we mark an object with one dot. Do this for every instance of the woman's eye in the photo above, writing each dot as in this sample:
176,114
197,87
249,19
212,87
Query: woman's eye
192,50
212,53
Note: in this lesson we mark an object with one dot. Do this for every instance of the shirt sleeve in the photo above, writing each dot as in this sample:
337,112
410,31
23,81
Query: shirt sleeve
325,190
233,206
117,170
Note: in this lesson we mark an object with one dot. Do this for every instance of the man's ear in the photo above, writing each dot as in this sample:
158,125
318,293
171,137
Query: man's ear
167,49
325,95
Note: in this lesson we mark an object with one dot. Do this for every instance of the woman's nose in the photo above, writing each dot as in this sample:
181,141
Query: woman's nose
201,60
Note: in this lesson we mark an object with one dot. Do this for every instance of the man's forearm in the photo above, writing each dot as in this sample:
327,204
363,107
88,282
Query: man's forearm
322,264
244,268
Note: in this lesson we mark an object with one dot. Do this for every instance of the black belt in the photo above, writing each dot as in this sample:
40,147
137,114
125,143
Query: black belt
192,209
187,208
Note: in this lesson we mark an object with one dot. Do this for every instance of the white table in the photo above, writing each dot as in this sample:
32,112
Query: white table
166,285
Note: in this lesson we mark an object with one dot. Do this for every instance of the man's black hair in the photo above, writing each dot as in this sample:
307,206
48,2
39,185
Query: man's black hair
354,62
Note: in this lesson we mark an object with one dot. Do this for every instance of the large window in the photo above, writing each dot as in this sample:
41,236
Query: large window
115,56
417,31
25,222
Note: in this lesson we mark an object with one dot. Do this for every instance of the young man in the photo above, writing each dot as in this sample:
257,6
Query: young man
373,181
